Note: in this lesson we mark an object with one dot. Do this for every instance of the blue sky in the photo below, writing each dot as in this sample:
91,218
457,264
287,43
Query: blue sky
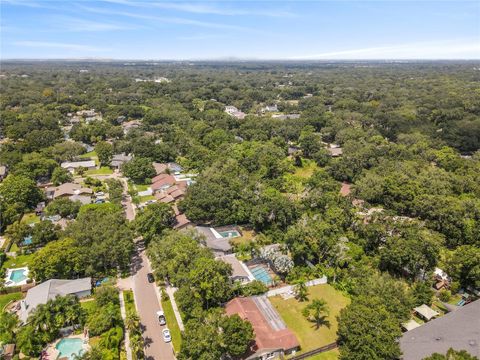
130,29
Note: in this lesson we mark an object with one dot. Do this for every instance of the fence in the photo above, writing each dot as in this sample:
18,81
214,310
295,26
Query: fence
315,351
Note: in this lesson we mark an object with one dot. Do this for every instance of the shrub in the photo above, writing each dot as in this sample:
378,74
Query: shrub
445,295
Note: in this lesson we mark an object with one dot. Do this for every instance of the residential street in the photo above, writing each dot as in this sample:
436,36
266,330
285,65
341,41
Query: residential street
148,304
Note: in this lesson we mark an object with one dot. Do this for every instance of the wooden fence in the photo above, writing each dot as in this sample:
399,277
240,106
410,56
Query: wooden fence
315,351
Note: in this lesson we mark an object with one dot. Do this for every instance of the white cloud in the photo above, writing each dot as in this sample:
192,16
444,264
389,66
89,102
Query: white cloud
448,49
74,24
56,45
203,8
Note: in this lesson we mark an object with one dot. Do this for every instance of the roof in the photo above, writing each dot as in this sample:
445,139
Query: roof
459,330
50,289
212,242
238,270
426,311
410,325
159,167
335,151
270,331
165,198
3,170
346,189
181,221
69,189
77,164
119,159
162,180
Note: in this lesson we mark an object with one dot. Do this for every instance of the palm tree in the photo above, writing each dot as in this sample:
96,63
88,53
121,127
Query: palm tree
317,312
132,322
301,291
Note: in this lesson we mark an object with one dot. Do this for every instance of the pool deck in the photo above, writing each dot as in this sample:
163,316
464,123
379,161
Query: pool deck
9,282
54,354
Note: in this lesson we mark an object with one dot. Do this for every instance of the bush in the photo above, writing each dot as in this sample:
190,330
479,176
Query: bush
445,295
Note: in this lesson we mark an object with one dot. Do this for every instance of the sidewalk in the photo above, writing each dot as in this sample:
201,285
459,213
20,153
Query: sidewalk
124,317
171,291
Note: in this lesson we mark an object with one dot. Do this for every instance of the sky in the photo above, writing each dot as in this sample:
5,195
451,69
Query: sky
198,30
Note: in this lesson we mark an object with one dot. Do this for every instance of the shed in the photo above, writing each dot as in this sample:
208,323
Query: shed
426,312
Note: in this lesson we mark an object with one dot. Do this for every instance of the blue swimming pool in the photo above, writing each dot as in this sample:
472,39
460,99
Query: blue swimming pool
27,240
18,275
70,348
229,234
262,275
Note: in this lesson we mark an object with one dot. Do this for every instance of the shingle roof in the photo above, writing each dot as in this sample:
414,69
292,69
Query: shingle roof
50,289
459,330
213,243
237,269
77,164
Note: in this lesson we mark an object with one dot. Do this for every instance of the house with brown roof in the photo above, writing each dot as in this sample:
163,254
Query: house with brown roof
162,182
273,339
68,190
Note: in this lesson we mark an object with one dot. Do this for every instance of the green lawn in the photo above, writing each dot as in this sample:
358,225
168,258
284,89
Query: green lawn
19,261
88,305
129,302
142,199
91,154
30,218
329,355
5,299
291,312
141,187
172,324
104,170
295,183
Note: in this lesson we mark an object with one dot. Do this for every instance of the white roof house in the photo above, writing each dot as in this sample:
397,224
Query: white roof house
410,325
426,312
72,165
50,289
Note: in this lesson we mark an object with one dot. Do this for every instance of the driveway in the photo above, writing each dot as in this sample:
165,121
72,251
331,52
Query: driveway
148,304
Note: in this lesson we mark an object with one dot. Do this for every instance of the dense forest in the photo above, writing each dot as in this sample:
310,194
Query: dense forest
410,140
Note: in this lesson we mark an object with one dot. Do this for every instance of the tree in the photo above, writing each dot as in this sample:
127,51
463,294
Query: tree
463,265
139,169
43,232
368,331
104,152
8,323
422,293
236,335
272,209
19,189
18,231
301,290
115,190
63,207
61,176
452,355
154,219
317,312
35,166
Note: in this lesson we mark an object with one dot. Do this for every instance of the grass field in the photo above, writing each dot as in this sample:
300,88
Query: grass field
30,218
172,324
295,183
142,199
141,187
19,261
329,355
129,302
104,170
5,299
309,337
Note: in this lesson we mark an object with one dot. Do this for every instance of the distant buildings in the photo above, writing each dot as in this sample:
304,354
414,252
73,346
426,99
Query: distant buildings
270,108
233,111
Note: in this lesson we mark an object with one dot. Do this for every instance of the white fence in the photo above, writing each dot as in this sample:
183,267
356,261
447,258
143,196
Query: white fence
289,288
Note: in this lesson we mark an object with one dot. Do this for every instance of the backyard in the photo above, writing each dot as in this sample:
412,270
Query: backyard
18,261
309,337
5,299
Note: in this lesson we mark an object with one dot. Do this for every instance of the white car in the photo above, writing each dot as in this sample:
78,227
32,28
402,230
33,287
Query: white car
166,335
161,318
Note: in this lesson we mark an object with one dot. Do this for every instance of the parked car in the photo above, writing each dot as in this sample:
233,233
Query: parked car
161,317
166,335
100,193
150,278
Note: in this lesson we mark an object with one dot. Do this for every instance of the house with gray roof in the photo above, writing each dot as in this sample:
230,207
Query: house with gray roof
50,289
218,244
459,329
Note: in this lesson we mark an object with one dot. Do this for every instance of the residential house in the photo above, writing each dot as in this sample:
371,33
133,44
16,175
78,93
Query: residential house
270,108
273,339
119,159
75,192
459,329
129,125
425,312
335,152
3,172
233,111
240,272
50,289
74,165
218,244
286,116
162,182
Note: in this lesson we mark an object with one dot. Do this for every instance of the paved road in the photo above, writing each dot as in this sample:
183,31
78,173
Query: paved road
148,304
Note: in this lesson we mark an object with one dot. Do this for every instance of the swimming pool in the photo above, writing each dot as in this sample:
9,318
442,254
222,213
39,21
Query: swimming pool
70,347
229,234
262,275
18,275
27,240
